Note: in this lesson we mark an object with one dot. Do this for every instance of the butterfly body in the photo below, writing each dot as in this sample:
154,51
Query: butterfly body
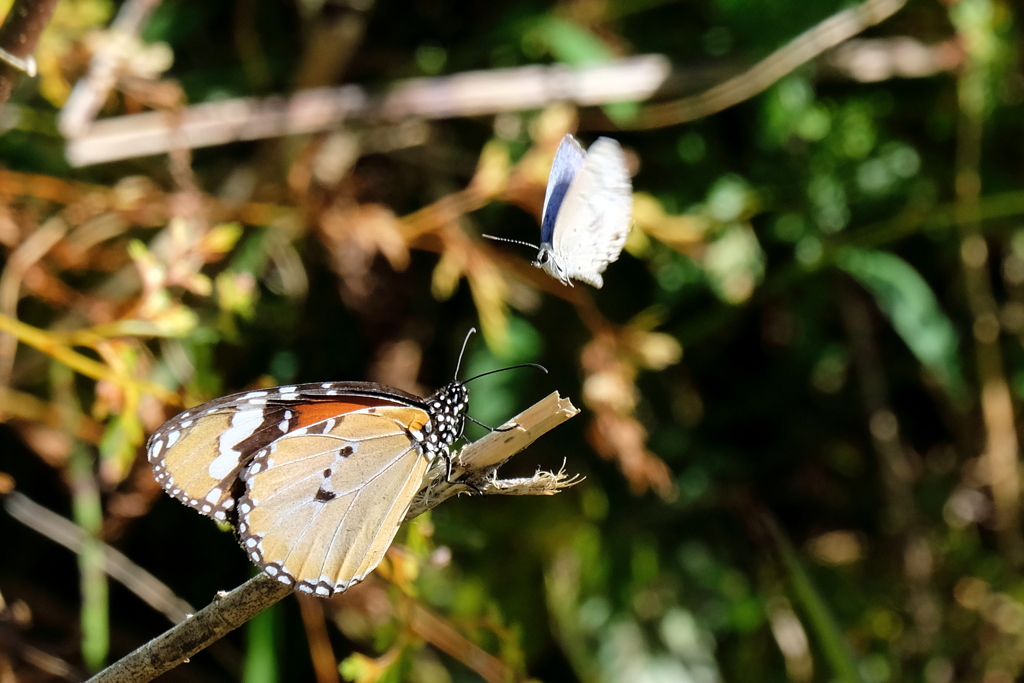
588,207
318,477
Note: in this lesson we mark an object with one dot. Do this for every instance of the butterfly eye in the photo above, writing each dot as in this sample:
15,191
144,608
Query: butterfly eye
542,257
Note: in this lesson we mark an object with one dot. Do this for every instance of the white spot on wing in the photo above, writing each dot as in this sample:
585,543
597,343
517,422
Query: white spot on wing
222,465
242,425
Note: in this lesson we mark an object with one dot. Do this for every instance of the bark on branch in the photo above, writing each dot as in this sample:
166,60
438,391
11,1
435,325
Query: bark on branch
19,34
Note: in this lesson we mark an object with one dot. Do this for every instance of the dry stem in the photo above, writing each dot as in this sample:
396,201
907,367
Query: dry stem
802,49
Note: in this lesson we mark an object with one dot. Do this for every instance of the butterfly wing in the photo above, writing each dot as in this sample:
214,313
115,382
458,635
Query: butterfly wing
595,215
318,476
568,161
323,503
198,455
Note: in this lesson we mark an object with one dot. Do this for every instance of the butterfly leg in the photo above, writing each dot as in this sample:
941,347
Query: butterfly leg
449,464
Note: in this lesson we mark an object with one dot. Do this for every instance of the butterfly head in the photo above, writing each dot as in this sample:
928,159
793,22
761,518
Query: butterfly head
447,409
551,265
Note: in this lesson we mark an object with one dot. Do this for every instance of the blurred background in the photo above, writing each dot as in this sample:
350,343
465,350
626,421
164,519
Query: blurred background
799,385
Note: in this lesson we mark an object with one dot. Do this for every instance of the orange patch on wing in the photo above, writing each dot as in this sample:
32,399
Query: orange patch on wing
316,411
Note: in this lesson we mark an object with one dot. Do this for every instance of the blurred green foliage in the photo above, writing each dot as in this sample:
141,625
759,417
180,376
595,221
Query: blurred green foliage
811,493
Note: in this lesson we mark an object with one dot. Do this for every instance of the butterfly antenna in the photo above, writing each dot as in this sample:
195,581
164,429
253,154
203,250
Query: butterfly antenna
465,342
489,428
511,367
505,239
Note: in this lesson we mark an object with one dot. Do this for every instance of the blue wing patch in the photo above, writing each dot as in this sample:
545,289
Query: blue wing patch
568,161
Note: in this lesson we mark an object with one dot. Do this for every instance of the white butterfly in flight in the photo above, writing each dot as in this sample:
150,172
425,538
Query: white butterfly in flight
588,211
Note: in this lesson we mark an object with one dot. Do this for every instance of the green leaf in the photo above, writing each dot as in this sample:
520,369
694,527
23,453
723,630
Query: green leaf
911,306
260,651
577,45
88,514
571,43
820,620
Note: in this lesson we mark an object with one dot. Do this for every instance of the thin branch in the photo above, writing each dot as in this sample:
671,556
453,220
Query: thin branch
802,49
17,645
19,34
228,611
89,93
473,93
440,633
467,94
147,587
325,664
1001,450
420,620
175,646
43,341
872,60
23,406
28,253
